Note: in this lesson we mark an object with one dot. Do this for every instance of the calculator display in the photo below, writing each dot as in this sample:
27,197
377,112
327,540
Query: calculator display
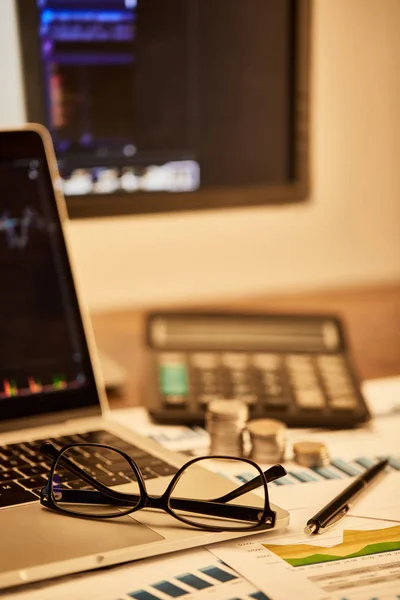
314,335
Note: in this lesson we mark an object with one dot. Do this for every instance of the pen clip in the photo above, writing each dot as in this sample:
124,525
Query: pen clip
339,514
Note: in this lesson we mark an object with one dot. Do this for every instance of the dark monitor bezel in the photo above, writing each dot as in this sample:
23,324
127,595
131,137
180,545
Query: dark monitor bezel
115,204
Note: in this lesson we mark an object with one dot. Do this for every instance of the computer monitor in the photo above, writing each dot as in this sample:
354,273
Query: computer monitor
165,105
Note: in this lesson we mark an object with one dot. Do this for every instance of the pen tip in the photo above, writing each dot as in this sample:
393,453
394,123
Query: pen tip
310,529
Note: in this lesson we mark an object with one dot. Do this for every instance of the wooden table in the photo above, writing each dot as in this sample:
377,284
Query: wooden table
371,316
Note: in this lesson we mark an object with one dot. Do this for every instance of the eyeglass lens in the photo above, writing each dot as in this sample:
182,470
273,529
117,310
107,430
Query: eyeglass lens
242,512
72,493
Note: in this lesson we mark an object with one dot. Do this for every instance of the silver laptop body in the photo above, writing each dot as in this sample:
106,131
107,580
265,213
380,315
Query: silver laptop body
36,543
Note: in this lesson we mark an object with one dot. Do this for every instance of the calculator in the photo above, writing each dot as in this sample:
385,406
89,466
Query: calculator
291,367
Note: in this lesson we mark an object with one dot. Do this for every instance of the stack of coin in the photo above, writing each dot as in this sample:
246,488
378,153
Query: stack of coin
268,440
311,454
226,422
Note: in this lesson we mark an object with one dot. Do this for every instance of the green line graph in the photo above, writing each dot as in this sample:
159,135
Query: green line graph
355,544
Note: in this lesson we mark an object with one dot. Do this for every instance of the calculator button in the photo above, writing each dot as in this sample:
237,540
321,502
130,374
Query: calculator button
241,389
238,377
173,375
175,400
270,377
210,390
274,390
205,378
348,402
304,380
336,377
208,377
330,361
338,384
310,399
332,366
204,360
276,401
339,389
298,361
271,382
235,360
266,361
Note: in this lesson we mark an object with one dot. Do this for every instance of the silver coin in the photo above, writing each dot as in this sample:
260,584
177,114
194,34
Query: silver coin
225,422
268,440
311,454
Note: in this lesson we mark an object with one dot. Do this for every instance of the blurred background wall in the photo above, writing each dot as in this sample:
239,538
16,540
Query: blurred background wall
348,232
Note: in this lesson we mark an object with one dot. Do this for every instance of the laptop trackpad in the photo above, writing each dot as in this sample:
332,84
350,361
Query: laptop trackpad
34,536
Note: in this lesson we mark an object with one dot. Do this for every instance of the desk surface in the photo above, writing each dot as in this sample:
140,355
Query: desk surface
371,316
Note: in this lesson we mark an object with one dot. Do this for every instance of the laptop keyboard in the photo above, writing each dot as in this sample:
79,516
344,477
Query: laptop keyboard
24,471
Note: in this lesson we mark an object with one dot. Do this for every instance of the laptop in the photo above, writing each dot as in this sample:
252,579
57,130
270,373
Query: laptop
51,389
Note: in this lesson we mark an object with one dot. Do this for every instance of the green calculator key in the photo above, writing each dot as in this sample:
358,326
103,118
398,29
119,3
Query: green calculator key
174,379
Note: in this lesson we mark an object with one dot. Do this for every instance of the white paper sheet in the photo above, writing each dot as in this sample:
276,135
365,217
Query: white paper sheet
382,395
382,501
275,577
187,572
179,438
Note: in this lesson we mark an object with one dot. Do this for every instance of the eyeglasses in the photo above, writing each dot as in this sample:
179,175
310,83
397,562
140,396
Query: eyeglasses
81,477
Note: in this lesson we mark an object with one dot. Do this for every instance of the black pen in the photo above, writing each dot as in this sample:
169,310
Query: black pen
340,505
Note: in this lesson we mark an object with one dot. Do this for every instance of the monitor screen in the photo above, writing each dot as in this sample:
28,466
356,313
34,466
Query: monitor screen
166,103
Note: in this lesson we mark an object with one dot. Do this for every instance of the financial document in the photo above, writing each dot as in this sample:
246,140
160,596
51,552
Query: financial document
195,575
350,562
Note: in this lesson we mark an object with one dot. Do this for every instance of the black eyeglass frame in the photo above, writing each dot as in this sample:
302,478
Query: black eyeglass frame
266,518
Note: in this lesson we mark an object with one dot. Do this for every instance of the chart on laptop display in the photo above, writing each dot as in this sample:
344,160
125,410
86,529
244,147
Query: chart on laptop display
42,349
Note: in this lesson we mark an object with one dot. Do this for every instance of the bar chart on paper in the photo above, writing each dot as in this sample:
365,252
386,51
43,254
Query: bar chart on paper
384,596
215,580
338,468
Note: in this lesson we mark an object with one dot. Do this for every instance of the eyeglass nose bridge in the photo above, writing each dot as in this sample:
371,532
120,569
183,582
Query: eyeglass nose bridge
155,501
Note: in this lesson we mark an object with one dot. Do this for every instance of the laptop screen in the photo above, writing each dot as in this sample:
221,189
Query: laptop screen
44,359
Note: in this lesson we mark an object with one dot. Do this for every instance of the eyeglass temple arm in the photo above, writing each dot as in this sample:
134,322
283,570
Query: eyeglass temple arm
271,474
203,507
275,472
